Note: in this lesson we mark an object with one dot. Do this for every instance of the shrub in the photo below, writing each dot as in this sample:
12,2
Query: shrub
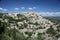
28,33
40,36
51,31
57,36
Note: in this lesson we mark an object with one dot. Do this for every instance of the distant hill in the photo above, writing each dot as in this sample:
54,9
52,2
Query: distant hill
54,19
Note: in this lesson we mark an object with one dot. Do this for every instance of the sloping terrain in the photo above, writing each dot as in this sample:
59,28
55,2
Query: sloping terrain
28,26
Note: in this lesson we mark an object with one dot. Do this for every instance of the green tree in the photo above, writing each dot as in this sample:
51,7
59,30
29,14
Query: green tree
51,31
40,36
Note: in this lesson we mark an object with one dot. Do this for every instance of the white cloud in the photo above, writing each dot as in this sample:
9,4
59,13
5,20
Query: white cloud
1,8
16,8
50,13
30,8
22,8
34,7
4,9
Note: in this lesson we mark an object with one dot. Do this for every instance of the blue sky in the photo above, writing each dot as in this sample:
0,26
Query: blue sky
30,5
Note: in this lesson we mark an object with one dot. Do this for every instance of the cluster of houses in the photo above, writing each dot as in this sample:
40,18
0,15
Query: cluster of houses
33,18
